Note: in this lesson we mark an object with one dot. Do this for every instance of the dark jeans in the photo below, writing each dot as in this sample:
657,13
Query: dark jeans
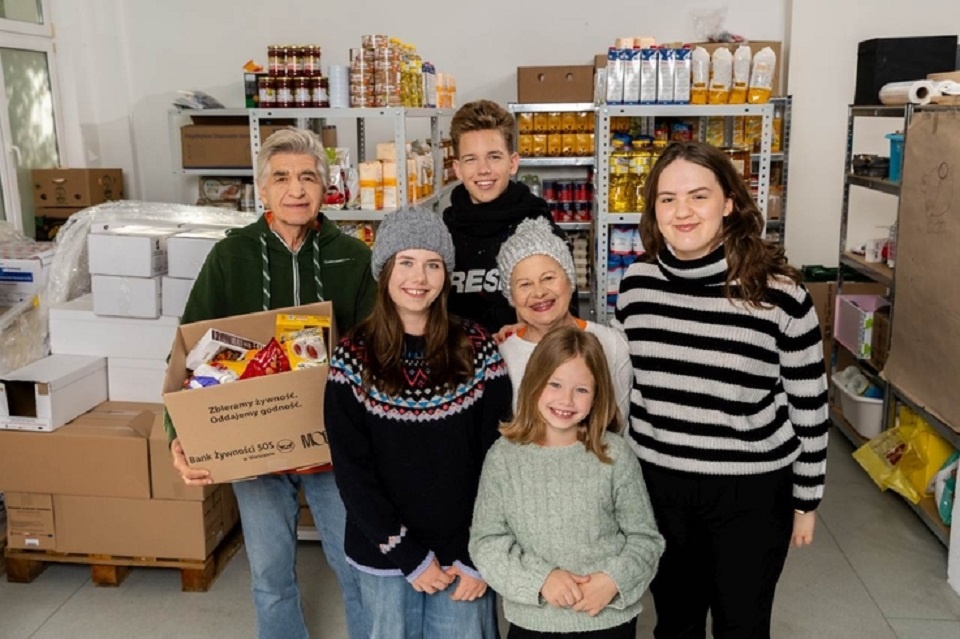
624,631
727,540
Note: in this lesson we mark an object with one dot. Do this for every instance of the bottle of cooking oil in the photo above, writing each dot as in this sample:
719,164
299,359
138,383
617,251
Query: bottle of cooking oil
641,161
622,198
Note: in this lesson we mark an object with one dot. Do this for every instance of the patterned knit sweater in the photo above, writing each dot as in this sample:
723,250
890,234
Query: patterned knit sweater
408,466
723,388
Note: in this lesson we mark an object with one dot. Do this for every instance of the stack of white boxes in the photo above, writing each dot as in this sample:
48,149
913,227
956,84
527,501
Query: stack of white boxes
23,270
141,277
186,253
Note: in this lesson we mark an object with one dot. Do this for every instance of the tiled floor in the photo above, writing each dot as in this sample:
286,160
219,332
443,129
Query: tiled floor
873,572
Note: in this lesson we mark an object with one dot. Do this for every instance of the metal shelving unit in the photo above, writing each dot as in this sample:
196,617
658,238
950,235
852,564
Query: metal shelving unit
604,219
554,165
884,275
304,118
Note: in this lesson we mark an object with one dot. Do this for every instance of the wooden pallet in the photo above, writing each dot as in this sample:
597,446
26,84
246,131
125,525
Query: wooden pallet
23,566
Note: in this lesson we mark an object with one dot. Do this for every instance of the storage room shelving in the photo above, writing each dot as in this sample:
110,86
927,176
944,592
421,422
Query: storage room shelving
885,276
562,168
604,220
397,116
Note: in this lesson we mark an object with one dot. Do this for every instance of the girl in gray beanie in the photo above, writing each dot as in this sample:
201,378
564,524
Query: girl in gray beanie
413,401
536,277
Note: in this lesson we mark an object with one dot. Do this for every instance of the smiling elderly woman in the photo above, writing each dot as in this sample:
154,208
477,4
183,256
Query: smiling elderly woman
536,277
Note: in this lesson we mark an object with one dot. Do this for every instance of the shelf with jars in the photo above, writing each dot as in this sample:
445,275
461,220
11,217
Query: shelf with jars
629,140
556,144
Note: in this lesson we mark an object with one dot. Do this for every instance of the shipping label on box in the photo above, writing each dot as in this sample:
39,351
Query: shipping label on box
45,395
30,522
129,251
255,426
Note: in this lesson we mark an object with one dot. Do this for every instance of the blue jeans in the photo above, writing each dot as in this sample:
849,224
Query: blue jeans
269,512
396,611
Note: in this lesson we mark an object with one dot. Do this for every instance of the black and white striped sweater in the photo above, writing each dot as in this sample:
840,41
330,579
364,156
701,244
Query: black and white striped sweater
720,387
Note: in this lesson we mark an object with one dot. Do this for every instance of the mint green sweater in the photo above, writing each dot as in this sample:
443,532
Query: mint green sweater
543,508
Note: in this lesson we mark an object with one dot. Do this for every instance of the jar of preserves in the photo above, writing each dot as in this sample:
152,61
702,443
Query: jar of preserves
319,92
276,60
267,91
311,61
301,92
294,60
284,93
740,158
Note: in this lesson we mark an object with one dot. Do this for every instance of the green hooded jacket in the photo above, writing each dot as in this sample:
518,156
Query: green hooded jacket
252,270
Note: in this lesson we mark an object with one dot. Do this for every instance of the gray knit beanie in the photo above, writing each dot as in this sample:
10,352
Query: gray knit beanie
532,237
411,228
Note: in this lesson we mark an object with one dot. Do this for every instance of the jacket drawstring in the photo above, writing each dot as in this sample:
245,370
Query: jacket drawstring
265,261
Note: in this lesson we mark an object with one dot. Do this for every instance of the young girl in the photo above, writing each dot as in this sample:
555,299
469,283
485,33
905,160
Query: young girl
729,413
412,404
562,516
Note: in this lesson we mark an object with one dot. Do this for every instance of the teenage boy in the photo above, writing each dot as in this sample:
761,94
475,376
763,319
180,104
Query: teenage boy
485,210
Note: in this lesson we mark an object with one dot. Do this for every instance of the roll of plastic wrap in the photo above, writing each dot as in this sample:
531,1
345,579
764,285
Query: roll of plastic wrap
915,92
948,87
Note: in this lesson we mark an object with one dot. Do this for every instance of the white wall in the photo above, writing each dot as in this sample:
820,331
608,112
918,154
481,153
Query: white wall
128,58
823,62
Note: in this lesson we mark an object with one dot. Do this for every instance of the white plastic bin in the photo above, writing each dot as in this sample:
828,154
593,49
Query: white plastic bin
865,414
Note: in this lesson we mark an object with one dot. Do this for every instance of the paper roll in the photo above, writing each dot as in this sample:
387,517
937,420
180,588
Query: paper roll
948,87
909,92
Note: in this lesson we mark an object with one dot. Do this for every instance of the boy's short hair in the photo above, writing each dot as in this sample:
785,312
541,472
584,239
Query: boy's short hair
482,115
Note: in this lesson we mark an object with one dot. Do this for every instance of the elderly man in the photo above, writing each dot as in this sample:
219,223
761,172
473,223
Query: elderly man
286,258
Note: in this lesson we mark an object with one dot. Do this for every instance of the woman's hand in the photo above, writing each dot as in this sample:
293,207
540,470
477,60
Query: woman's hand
562,588
190,476
803,525
432,580
468,588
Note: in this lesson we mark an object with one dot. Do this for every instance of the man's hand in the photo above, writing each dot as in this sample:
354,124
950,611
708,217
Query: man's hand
803,529
469,588
432,580
562,588
191,476
597,594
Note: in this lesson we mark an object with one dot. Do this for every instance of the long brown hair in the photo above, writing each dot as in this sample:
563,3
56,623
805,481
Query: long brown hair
752,262
559,346
448,350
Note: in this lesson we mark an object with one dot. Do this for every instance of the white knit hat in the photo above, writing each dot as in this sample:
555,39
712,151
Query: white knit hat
533,237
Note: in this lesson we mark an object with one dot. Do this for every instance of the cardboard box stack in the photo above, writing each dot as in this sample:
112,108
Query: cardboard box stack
59,193
105,484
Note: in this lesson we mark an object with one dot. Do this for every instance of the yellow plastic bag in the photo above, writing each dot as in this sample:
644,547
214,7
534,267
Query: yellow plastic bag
904,458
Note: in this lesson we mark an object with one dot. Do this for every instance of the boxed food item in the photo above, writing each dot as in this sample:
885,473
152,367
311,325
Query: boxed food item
571,83
23,270
76,187
853,325
45,395
186,252
175,293
252,426
76,330
117,296
131,251
99,454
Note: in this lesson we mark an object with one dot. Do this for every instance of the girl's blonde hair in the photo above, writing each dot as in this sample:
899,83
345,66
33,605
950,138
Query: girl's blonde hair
557,347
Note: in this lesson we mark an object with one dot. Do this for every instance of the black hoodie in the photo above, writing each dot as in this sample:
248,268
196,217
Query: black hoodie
478,230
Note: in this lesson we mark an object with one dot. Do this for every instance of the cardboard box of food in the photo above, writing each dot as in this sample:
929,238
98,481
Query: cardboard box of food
255,426
129,251
96,454
555,84
76,330
165,481
220,145
45,395
76,187
134,297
